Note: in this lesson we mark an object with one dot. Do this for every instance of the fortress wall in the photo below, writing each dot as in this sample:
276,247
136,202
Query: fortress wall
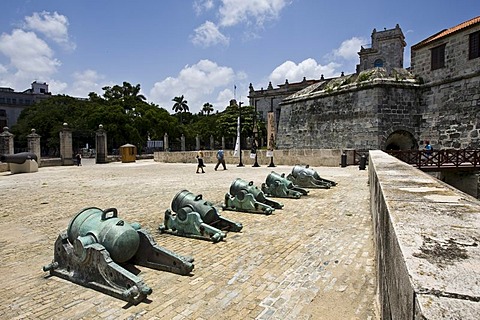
450,114
426,237
358,118
312,157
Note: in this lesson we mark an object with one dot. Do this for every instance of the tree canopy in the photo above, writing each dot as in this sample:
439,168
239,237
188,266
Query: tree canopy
128,118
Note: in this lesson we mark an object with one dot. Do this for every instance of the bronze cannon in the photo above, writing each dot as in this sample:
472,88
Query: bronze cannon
277,185
18,158
306,177
196,218
98,245
245,196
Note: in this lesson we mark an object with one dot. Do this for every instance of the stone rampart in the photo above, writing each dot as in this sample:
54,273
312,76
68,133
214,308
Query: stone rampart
312,157
426,237
356,116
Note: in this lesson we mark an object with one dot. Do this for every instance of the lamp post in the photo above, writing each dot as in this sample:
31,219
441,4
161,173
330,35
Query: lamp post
272,126
240,164
255,136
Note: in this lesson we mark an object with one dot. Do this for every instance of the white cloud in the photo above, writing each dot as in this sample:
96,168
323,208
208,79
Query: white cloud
53,25
202,5
308,68
349,49
198,83
85,82
208,35
233,12
28,54
3,69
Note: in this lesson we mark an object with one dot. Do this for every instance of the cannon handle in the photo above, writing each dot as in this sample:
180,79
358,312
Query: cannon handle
107,211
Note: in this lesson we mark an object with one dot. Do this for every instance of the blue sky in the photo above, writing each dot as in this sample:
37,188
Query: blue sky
201,48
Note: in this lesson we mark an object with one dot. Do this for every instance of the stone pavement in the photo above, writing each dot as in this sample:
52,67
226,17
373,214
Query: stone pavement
312,260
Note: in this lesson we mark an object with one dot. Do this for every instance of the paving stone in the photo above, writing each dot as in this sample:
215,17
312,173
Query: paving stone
281,266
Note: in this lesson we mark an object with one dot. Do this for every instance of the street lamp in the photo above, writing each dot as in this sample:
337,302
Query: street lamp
255,136
240,133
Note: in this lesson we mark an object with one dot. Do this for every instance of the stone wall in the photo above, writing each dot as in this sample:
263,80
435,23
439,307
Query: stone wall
426,237
457,63
450,113
312,157
358,117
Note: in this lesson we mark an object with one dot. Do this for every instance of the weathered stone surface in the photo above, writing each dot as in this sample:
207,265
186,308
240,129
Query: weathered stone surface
308,261
426,242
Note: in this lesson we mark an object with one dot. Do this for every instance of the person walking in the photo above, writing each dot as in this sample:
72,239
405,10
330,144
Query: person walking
220,159
78,157
200,164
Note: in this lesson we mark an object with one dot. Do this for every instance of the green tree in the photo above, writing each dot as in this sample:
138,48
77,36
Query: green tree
180,105
207,108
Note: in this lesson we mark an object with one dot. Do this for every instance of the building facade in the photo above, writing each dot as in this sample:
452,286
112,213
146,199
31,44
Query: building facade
384,106
12,103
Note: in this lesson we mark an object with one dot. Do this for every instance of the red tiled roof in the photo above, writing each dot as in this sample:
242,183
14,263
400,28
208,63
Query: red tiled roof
447,32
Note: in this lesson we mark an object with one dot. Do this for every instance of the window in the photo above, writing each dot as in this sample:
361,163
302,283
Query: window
438,57
3,113
378,63
474,45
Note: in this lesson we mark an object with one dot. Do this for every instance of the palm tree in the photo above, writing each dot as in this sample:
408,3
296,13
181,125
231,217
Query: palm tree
180,105
207,108
133,92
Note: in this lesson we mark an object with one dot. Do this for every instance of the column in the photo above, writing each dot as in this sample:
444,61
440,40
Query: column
6,142
33,141
66,153
101,145
182,139
165,142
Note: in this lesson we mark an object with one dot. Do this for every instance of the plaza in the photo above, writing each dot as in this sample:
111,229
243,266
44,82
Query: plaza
314,259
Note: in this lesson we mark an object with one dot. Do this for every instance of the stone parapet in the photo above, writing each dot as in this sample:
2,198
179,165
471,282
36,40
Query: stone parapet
312,157
426,236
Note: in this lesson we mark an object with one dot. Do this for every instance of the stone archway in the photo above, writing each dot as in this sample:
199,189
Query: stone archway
401,140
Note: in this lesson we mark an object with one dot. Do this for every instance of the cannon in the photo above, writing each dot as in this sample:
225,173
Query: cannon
22,162
306,177
244,196
277,185
18,158
97,247
196,218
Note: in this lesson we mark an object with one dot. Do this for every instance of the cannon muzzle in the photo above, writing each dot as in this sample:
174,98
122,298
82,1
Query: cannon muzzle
18,158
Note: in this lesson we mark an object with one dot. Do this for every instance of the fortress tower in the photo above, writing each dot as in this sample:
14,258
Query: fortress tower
386,50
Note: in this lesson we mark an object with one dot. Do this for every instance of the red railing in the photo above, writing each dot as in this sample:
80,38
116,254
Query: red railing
440,159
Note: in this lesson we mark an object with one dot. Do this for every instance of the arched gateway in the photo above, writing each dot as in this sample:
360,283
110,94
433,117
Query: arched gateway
401,140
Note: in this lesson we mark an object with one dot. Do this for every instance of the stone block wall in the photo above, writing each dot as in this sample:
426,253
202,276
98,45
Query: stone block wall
450,114
312,157
361,117
426,237
457,63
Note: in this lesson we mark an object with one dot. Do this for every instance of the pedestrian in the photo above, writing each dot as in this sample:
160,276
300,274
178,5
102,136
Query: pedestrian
220,159
200,164
428,148
78,157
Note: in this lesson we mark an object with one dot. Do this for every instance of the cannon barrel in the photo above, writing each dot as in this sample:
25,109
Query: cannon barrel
273,176
185,198
18,158
247,186
93,225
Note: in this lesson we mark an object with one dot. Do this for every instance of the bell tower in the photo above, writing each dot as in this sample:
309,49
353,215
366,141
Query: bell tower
386,50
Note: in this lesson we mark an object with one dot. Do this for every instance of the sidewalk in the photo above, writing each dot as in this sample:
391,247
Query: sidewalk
312,260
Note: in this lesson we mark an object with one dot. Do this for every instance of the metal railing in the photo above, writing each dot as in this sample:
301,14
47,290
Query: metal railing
440,159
